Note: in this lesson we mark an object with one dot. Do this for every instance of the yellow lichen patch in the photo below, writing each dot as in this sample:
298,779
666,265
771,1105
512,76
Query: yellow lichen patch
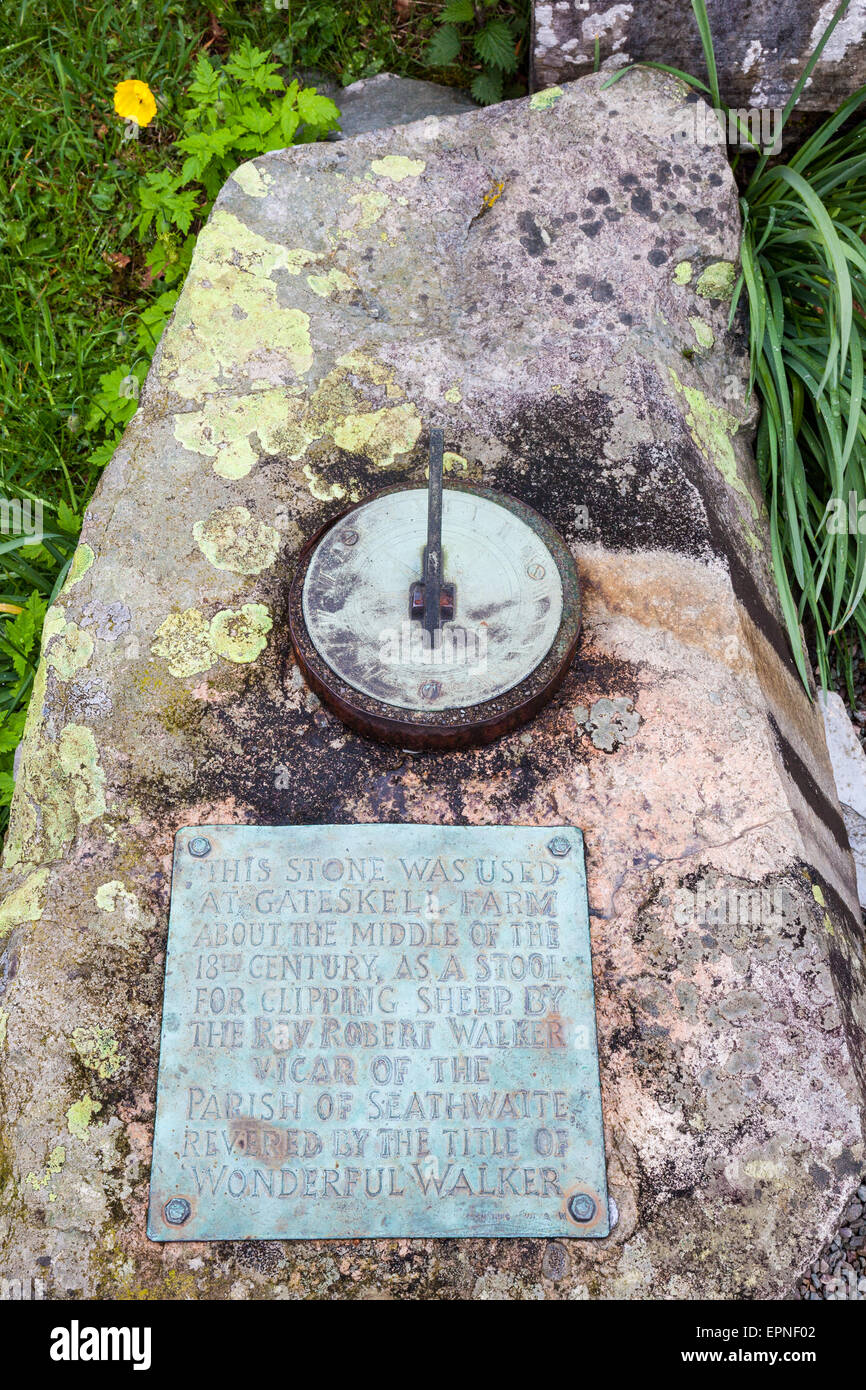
112,895
321,490
543,101
454,463
24,903
81,562
453,395
298,258
330,285
183,641
56,1160
98,1049
711,428
818,895
370,208
79,759
717,281
60,787
79,1115
254,181
70,651
380,434
682,273
226,427
241,635
397,167
232,539
4,1019
228,302
703,333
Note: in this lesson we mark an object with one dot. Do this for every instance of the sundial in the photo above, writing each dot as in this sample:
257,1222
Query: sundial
437,617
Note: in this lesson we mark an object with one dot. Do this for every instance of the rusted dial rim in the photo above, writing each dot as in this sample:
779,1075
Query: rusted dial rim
450,728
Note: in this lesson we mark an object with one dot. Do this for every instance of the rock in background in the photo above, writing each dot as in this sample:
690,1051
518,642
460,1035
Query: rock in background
761,47
549,281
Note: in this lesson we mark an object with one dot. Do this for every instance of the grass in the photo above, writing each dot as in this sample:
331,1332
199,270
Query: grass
804,276
73,279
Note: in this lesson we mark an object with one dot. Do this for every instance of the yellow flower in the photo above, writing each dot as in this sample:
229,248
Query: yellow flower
134,101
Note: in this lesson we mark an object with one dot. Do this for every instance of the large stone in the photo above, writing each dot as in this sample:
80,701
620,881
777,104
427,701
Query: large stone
386,99
761,47
849,773
549,281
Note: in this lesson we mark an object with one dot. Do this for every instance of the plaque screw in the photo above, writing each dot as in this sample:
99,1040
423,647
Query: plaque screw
199,846
430,690
581,1207
559,846
177,1211
535,569
349,537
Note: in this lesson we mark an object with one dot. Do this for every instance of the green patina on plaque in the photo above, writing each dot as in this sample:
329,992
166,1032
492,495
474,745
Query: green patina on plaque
378,1030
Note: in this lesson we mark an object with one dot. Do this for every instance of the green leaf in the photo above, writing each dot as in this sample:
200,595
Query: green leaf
19,636
458,12
495,44
205,86
487,87
443,48
67,519
317,110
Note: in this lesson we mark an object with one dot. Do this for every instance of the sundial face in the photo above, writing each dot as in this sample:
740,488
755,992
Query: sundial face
434,617
507,612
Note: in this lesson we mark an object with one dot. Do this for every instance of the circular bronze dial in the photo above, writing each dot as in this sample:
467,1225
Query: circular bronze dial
508,627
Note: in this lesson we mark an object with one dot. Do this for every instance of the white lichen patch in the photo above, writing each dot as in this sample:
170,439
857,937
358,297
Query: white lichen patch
232,539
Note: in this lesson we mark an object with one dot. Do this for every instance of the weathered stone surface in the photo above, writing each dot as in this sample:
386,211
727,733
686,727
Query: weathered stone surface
849,774
544,279
761,48
386,99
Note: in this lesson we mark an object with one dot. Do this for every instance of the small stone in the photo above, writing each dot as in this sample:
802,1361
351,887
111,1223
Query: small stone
556,1260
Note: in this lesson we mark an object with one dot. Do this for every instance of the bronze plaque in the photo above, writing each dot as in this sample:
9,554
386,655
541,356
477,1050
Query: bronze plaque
378,1030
